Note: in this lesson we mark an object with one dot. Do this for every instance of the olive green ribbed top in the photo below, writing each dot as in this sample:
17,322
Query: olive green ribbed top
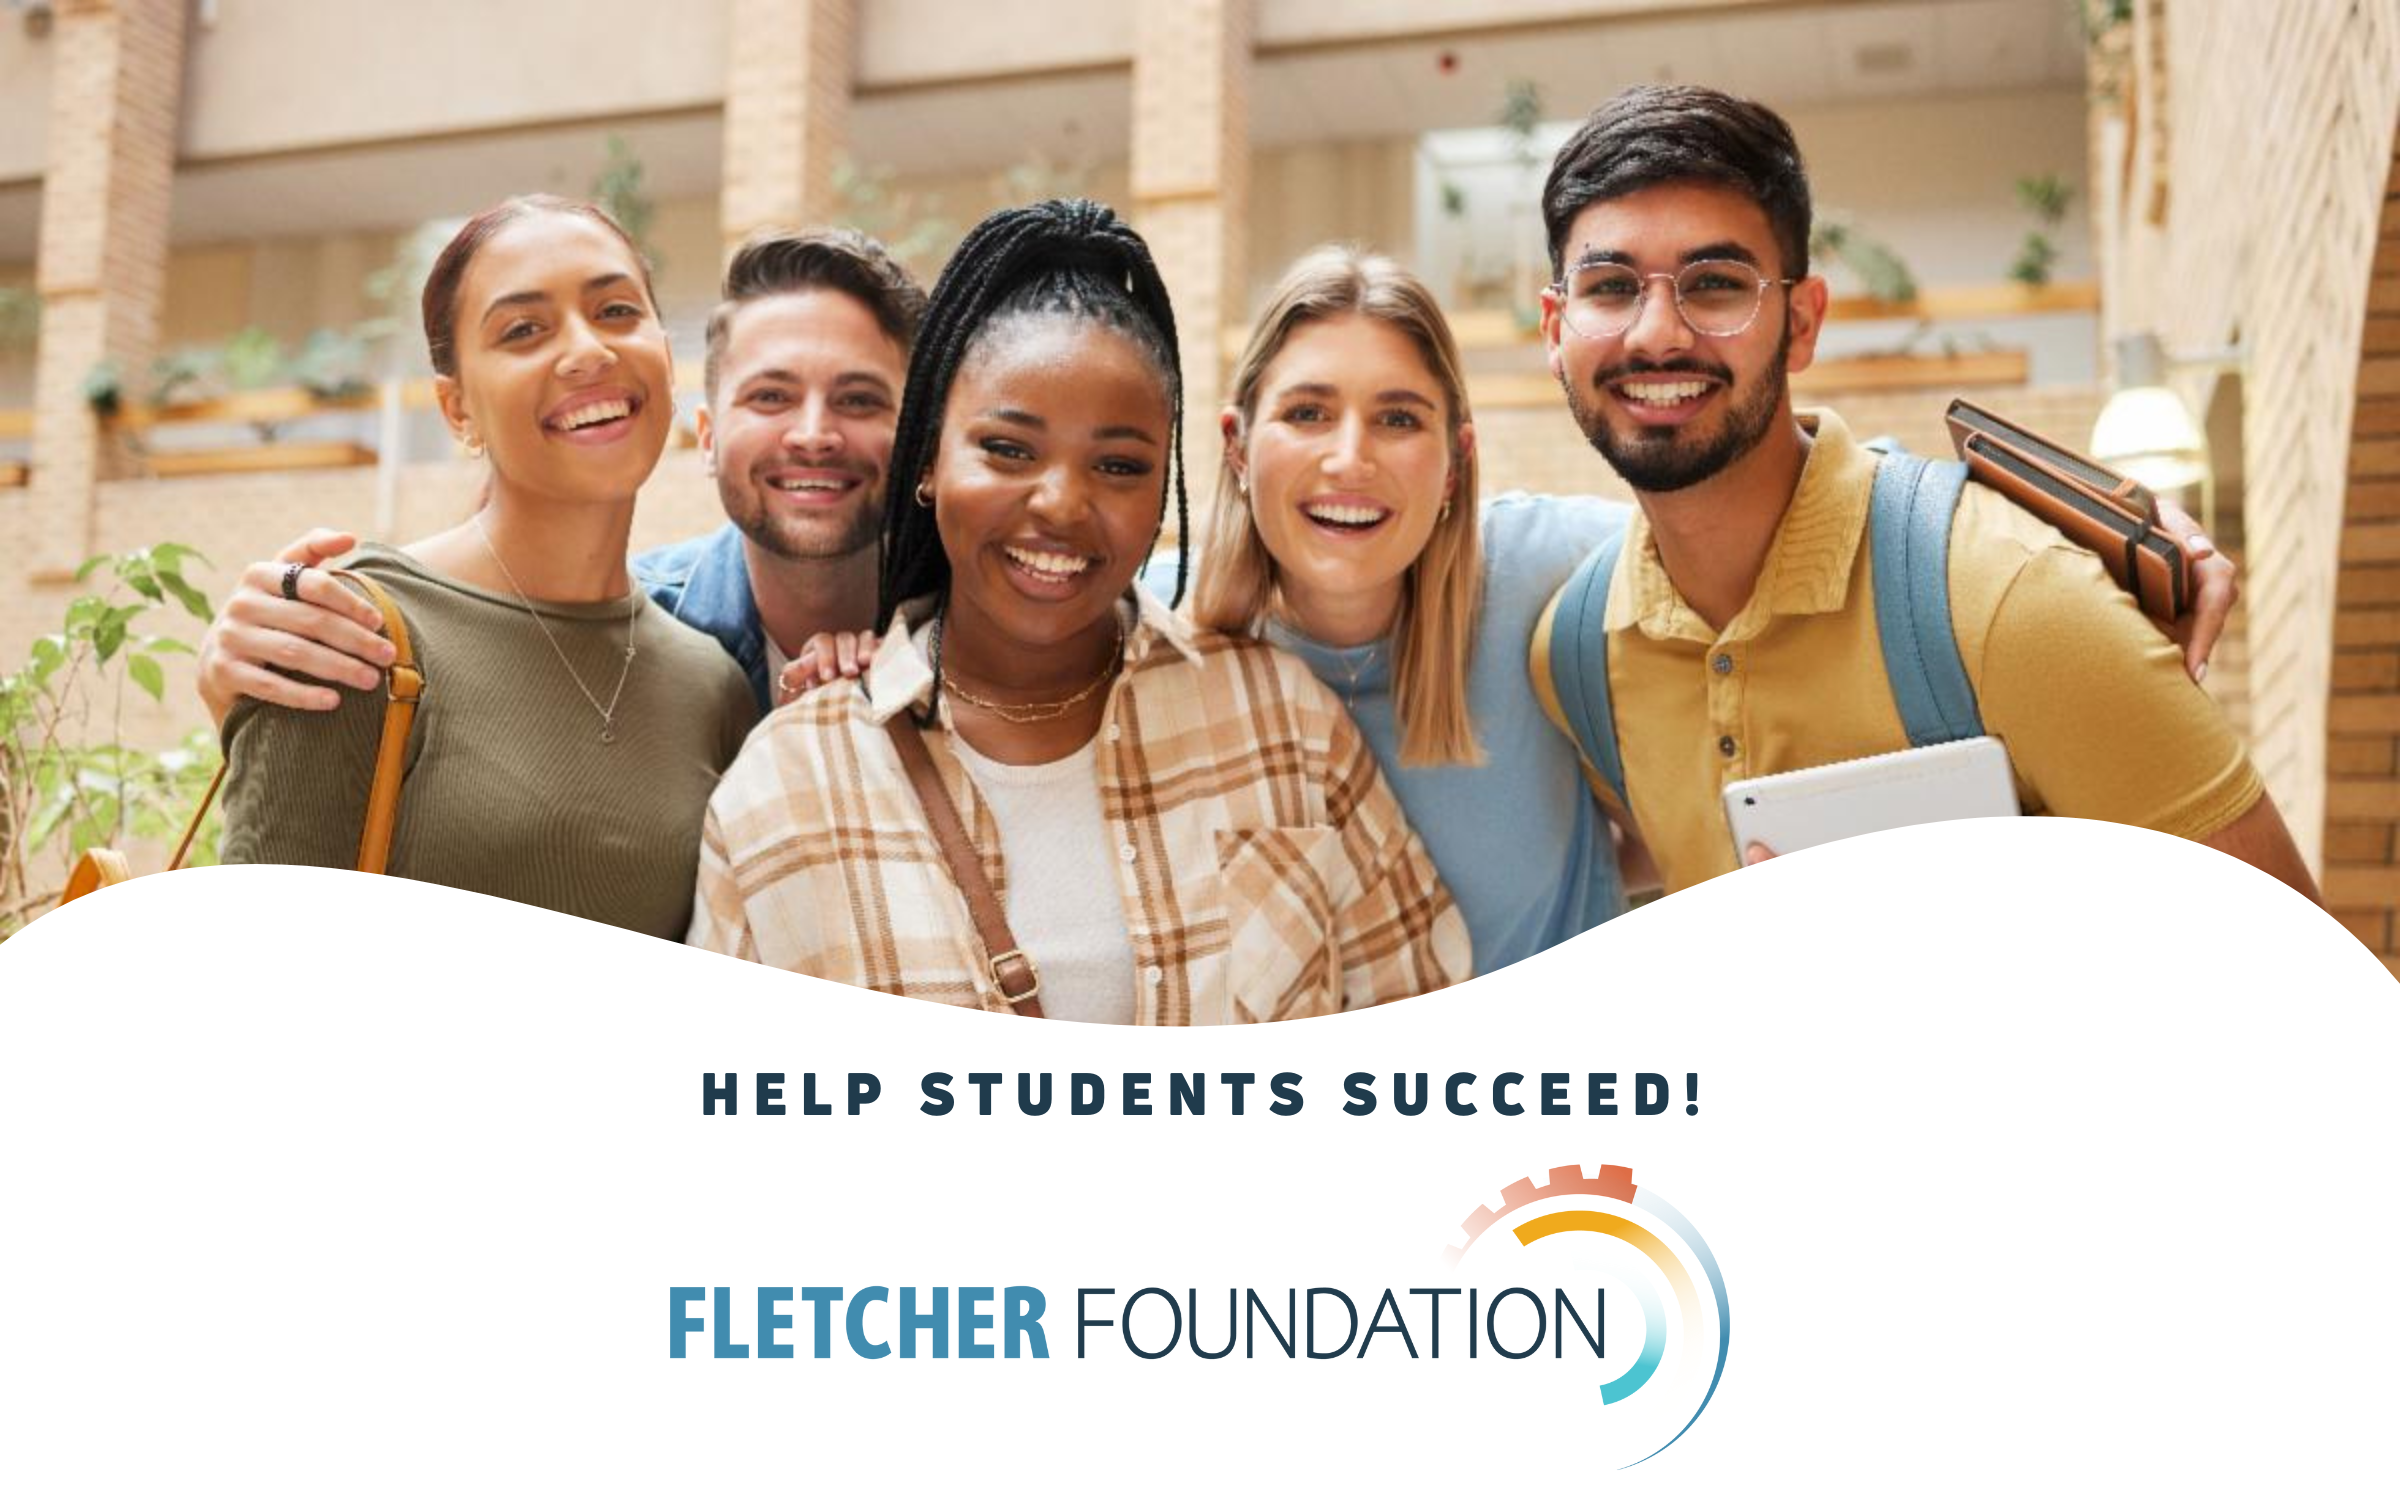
509,790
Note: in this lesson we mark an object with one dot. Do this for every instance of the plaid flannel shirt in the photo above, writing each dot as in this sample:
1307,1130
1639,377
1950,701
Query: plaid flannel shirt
1265,869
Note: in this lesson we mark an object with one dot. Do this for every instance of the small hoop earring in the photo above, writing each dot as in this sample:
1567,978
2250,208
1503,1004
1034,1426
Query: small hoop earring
1445,515
474,445
924,497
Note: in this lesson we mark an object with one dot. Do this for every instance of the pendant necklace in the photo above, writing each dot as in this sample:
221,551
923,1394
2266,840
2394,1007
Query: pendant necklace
607,712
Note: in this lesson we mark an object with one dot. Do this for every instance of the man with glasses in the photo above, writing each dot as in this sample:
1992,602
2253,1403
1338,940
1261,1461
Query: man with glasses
1741,633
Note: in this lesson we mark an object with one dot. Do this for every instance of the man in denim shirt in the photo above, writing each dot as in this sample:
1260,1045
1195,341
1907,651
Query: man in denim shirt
807,355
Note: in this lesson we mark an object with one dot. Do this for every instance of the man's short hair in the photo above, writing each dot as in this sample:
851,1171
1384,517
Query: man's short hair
776,262
1662,133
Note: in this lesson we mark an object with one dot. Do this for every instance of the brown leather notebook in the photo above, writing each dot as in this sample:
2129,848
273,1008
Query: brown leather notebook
2099,508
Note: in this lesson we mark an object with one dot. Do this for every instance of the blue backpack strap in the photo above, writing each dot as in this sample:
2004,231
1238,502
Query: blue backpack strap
1579,663
1909,516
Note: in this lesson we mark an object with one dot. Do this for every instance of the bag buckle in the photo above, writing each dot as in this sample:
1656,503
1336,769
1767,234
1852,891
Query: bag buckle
1033,975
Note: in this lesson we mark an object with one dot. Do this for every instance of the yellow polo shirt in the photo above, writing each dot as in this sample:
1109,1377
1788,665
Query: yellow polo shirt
2092,701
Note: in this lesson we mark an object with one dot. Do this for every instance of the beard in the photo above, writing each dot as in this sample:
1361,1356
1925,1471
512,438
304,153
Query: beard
803,538
1661,460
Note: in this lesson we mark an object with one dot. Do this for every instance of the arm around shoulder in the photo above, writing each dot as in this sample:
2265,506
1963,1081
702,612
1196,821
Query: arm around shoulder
289,617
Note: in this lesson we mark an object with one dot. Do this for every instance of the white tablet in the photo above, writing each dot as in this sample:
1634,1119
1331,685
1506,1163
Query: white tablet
1795,809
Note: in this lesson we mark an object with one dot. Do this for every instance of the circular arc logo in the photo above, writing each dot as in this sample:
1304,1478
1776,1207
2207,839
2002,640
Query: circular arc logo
1614,1182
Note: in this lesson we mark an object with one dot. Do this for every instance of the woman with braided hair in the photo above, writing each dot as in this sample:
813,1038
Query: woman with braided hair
1179,827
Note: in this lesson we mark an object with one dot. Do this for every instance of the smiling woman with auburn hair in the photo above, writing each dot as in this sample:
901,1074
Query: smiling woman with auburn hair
569,731
1177,827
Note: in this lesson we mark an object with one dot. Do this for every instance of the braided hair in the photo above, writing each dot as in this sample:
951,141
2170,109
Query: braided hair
1060,258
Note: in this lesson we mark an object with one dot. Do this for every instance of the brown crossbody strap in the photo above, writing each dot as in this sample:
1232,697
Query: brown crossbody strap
404,684
1012,970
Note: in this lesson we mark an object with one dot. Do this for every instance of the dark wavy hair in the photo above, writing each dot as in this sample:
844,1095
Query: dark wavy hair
1674,132
774,262
1065,258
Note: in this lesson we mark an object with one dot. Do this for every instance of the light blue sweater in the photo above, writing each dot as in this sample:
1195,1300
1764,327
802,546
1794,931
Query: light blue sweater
1520,842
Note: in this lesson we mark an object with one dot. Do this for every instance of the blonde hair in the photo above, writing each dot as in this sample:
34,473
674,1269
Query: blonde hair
1434,635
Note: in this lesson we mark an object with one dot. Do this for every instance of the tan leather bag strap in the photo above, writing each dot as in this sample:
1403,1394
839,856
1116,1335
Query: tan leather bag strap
191,830
1012,969
405,685
96,869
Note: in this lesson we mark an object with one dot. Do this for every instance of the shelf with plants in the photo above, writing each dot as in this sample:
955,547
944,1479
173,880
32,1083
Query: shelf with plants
250,381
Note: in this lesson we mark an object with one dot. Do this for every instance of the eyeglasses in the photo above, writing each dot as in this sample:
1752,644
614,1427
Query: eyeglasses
1718,298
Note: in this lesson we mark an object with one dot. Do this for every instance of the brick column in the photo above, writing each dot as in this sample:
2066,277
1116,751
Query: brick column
2362,749
787,112
1191,189
116,76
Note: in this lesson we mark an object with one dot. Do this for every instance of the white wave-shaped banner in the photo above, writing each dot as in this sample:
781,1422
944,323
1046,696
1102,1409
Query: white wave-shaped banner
1960,1160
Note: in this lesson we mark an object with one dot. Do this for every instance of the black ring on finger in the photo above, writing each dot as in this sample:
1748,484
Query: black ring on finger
291,580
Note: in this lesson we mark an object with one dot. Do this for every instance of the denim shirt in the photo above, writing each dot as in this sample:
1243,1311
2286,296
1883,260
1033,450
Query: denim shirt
705,583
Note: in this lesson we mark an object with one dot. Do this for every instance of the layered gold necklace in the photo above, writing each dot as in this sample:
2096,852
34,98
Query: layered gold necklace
1035,713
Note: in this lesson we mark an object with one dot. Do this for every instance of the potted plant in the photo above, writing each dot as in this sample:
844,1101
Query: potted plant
104,390
2046,197
179,375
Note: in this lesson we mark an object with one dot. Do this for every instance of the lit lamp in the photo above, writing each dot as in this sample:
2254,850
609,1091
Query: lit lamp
2147,432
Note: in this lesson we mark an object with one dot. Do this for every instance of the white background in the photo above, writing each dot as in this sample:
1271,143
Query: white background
2034,1152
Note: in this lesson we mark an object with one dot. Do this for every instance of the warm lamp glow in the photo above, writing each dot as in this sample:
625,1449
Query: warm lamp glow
2148,433
2146,430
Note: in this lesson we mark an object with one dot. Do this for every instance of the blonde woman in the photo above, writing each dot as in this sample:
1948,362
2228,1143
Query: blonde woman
1348,529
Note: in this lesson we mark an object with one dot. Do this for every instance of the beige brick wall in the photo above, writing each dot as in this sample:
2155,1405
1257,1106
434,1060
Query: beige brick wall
788,82
2362,748
115,82
1363,192
1189,171
2243,194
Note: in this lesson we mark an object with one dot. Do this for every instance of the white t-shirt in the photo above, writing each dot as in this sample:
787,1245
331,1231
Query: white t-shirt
1063,903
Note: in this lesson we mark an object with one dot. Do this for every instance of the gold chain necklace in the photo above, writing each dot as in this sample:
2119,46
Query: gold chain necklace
608,714
1036,713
